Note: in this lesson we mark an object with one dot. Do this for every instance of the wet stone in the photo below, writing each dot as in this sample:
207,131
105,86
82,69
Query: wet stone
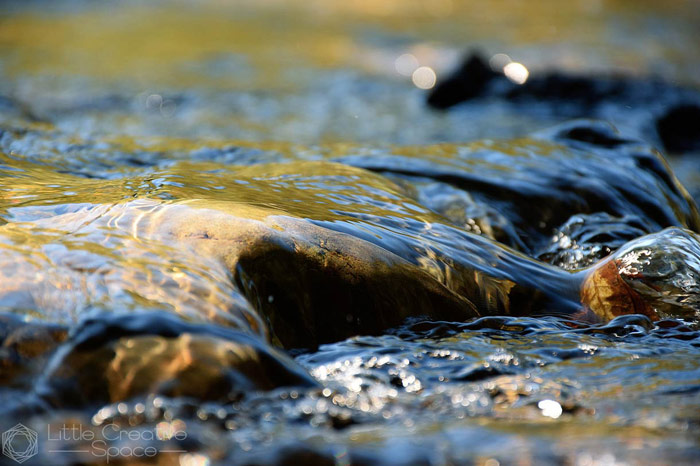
25,348
251,229
656,275
267,256
118,357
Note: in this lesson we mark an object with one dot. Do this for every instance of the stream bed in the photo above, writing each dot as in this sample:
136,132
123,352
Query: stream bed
360,232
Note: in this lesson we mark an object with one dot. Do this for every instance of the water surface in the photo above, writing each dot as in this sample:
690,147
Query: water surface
244,224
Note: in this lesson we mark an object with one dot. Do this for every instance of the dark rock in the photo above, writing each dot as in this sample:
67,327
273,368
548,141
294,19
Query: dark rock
679,128
468,82
567,95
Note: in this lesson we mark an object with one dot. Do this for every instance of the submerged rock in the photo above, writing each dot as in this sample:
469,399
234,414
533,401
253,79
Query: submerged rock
115,357
24,348
303,253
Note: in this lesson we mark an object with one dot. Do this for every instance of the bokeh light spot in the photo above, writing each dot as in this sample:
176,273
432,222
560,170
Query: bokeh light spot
406,64
499,61
424,77
516,72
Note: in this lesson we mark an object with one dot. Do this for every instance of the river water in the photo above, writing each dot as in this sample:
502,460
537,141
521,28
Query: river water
236,233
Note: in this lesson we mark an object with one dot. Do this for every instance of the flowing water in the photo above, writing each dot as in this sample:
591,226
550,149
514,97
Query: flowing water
237,234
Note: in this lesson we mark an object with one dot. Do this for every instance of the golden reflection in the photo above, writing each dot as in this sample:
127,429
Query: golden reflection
136,250
155,45
162,45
